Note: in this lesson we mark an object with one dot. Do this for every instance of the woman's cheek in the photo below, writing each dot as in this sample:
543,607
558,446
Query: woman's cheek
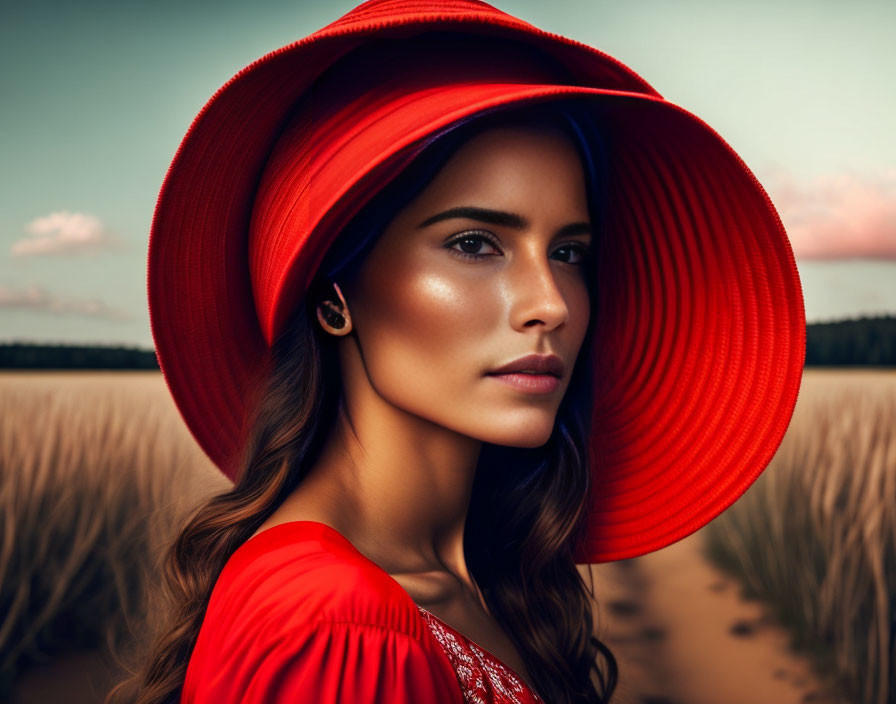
426,334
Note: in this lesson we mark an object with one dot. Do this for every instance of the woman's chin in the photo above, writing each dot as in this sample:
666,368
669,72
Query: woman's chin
522,436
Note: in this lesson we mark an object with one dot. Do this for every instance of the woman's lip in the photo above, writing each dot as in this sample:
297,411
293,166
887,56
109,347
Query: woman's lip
532,383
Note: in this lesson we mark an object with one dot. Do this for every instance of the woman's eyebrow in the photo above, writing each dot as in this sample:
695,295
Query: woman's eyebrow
500,217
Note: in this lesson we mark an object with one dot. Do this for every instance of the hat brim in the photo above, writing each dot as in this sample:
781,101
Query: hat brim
700,317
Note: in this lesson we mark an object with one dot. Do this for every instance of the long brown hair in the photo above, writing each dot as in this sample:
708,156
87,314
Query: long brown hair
528,507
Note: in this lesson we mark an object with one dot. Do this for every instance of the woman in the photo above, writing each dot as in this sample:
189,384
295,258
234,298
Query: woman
458,304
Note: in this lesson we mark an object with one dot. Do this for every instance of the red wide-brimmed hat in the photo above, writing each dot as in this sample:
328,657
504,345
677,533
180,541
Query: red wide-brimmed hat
699,317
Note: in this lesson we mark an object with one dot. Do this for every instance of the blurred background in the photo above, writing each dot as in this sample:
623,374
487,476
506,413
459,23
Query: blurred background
788,596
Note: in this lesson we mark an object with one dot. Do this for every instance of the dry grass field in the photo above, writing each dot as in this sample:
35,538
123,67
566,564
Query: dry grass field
815,536
97,470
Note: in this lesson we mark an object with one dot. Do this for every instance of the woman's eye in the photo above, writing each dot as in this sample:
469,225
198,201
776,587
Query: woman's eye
479,246
572,253
472,246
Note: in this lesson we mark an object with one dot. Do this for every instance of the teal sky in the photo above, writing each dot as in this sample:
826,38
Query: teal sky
95,97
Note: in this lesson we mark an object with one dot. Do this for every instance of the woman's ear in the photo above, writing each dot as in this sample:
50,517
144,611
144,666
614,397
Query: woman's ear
332,313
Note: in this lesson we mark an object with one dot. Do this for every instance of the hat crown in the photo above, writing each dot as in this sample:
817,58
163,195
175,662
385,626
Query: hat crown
399,11
394,18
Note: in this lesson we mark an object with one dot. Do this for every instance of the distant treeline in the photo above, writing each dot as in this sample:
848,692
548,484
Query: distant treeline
861,341
19,355
869,341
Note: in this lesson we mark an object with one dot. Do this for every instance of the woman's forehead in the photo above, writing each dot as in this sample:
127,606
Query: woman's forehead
508,164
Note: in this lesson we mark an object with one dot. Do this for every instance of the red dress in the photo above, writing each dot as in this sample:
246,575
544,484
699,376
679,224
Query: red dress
298,614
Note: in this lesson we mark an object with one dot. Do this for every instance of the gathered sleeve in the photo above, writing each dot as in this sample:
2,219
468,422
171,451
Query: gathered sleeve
297,615
351,663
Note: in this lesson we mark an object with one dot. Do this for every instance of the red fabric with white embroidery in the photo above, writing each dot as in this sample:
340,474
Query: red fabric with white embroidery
298,614
482,676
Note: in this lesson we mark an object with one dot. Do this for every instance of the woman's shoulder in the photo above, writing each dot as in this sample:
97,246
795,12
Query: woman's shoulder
303,571
298,614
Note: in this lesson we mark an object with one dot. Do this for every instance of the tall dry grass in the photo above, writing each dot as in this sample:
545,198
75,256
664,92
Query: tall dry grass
96,472
815,536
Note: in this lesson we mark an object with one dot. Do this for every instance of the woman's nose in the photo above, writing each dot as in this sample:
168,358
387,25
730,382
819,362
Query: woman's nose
537,300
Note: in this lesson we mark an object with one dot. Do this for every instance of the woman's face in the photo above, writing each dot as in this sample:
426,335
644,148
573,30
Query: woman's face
444,299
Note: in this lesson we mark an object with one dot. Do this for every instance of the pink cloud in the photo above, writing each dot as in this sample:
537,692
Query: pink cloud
64,233
843,216
35,298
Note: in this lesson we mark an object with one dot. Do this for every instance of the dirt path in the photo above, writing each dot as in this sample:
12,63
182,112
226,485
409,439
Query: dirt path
683,635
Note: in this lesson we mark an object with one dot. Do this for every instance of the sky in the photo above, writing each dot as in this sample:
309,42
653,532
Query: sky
96,96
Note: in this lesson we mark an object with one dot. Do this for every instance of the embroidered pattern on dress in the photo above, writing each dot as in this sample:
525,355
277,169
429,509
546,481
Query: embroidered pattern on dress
483,678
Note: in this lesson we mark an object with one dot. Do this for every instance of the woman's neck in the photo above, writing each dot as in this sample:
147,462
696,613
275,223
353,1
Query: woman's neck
397,486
